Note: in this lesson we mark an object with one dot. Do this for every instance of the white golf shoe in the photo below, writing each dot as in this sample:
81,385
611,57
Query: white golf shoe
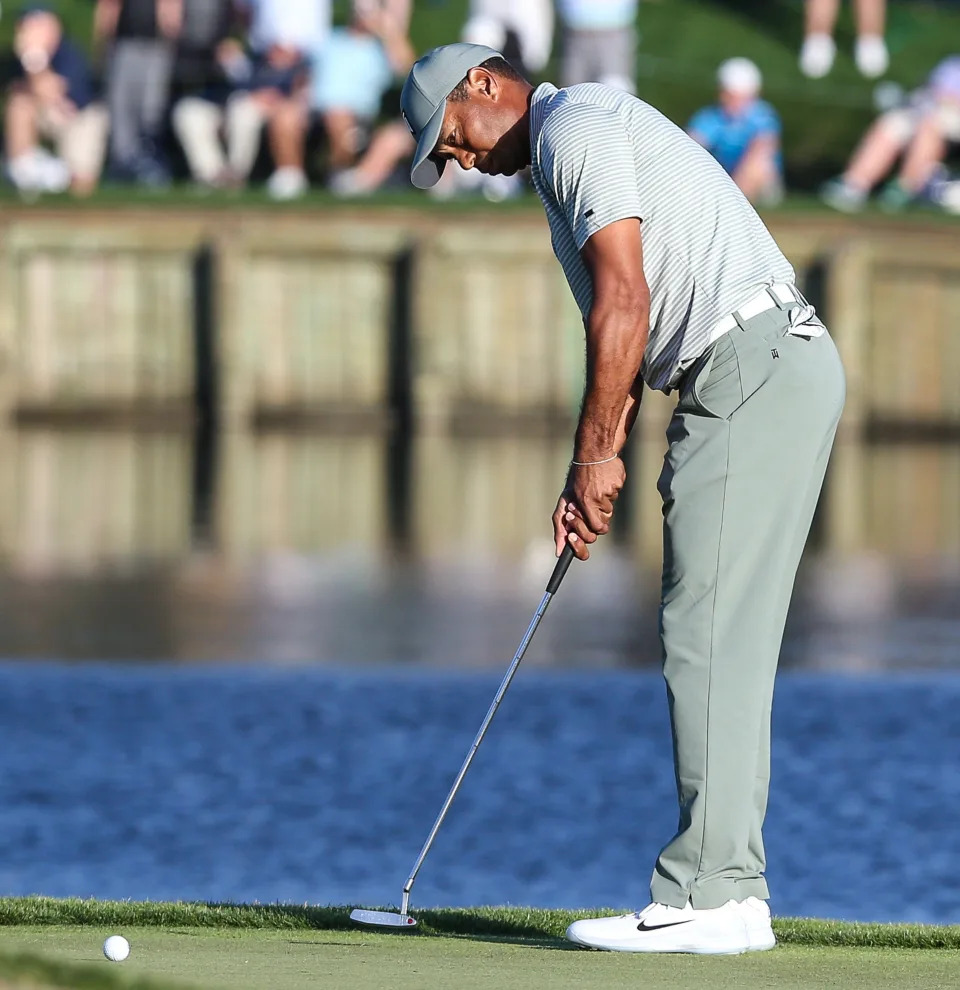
728,930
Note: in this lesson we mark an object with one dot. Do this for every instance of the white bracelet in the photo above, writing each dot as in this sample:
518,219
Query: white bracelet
606,460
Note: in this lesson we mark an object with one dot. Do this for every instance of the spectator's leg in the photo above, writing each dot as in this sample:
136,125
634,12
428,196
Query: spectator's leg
819,49
124,97
245,117
288,133
343,135
287,129
925,153
871,17
574,62
157,76
820,16
82,144
879,149
22,136
391,144
20,125
614,58
870,53
197,122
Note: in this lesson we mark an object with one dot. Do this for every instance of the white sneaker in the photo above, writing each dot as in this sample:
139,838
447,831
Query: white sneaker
38,171
728,930
757,915
287,183
871,55
817,55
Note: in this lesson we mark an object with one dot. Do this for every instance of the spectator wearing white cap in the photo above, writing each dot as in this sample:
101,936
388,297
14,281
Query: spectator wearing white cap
743,132
819,49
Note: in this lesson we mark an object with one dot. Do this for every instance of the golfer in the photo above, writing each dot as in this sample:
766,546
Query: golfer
681,287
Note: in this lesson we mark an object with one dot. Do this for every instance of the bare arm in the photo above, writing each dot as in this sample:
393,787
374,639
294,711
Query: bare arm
105,20
170,17
617,332
399,50
757,166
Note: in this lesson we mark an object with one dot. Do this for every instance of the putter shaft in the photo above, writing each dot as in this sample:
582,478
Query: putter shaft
561,568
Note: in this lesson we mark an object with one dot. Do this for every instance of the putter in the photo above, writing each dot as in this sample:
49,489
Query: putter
388,919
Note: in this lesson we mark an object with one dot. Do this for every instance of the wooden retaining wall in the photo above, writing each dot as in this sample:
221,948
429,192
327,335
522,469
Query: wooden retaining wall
358,317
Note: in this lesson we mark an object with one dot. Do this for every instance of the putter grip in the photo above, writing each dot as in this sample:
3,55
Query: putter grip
566,558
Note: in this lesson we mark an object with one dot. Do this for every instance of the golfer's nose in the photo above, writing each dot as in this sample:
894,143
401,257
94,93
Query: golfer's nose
467,160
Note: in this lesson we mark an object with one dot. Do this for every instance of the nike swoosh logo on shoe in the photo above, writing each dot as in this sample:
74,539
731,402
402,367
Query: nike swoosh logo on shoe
644,927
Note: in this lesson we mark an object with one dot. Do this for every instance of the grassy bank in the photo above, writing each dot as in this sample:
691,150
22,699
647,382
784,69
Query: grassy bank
527,923
47,943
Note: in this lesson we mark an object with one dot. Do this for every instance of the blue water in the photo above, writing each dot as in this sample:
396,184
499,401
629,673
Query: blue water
316,786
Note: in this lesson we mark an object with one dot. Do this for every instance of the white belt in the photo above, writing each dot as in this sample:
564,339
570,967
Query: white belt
767,298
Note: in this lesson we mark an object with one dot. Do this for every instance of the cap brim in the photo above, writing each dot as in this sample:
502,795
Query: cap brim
426,170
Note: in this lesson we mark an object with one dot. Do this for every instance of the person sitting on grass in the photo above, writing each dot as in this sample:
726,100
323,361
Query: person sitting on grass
52,97
283,36
919,132
353,71
743,132
219,134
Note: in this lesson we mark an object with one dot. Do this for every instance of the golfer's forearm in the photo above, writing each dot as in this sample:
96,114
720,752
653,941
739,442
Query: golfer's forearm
616,341
630,410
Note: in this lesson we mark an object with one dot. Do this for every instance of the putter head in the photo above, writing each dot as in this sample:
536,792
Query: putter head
382,919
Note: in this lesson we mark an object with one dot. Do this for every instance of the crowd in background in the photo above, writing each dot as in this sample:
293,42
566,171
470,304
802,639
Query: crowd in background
227,84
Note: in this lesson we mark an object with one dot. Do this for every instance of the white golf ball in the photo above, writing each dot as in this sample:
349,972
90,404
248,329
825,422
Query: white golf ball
116,948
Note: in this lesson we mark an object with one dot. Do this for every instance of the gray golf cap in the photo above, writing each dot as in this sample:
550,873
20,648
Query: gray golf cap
424,98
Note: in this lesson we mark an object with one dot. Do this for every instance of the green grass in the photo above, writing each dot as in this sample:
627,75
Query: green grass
49,943
174,957
682,42
535,923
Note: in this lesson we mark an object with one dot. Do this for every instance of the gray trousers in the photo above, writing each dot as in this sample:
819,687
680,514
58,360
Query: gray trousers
608,56
748,447
138,93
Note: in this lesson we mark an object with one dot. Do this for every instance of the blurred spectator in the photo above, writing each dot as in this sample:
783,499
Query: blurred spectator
743,132
284,34
523,32
139,72
52,97
819,49
353,71
210,63
919,131
599,42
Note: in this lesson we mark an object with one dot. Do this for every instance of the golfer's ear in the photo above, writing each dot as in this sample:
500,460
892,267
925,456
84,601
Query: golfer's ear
482,81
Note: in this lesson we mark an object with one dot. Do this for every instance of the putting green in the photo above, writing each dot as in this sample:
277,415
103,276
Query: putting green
215,958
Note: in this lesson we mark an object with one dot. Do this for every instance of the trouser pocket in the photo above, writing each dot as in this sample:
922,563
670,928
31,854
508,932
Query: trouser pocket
740,363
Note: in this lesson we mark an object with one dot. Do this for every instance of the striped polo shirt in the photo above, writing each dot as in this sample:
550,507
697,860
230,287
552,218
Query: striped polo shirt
599,155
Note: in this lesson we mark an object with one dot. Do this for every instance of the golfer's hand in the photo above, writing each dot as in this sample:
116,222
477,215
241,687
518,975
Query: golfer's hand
585,507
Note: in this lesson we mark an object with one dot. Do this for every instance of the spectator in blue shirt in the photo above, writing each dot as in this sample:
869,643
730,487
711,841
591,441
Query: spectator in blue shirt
743,132
52,98
352,71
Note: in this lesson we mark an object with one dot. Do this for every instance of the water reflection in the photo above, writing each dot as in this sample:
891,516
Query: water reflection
305,548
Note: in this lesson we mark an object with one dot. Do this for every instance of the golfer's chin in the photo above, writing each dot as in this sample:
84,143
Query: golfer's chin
490,168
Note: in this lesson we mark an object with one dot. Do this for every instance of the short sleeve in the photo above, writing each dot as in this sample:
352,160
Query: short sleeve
587,160
765,121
